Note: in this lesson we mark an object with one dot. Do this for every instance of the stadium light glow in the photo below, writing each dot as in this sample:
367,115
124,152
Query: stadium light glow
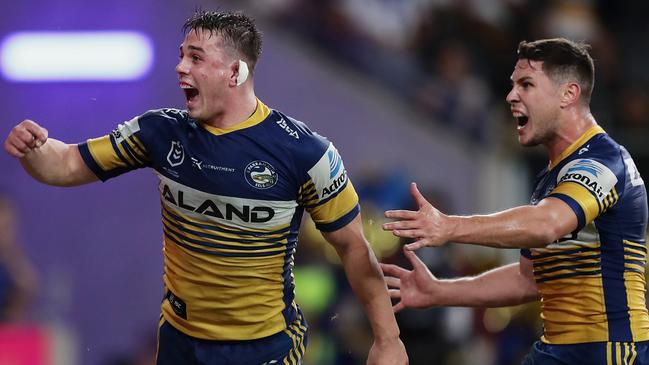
75,56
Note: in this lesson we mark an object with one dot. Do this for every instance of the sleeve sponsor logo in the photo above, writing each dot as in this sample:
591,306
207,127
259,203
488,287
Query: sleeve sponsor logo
126,130
591,174
329,174
335,163
634,174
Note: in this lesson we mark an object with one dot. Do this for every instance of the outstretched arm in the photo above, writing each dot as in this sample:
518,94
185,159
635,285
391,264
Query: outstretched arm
524,226
47,160
418,288
366,280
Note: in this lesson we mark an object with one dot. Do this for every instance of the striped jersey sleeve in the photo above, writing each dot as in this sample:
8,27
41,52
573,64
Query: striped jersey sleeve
328,194
124,149
588,186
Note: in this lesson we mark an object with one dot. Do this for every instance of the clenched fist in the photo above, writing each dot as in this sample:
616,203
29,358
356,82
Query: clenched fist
25,137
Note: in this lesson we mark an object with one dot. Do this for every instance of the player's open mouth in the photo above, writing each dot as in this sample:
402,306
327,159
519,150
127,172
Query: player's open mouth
190,93
522,120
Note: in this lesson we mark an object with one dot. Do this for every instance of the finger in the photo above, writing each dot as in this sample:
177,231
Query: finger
25,137
394,270
19,145
421,201
398,307
408,233
37,131
401,214
401,225
392,282
417,245
13,151
415,261
395,293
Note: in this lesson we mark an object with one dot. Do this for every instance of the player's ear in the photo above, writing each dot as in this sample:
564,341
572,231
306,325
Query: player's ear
570,93
240,72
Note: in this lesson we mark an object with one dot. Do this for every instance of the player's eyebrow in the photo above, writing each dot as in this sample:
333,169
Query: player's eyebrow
520,80
195,48
192,48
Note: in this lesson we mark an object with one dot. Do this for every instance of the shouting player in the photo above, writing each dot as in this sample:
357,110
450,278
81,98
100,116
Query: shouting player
235,179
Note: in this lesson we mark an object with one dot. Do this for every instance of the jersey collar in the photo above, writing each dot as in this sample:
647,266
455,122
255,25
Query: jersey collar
259,115
592,131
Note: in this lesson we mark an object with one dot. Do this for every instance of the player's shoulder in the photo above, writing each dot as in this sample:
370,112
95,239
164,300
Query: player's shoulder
601,148
598,163
305,143
159,120
164,115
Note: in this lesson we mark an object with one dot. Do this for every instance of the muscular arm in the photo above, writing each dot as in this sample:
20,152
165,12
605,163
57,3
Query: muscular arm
47,160
507,285
524,227
418,288
365,278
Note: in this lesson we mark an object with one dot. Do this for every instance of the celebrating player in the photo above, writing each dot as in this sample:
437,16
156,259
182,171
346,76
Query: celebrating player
582,237
235,179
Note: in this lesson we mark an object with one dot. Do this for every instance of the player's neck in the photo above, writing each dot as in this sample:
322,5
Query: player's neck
239,108
573,125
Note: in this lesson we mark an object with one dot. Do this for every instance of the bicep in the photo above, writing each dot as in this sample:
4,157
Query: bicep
557,217
348,236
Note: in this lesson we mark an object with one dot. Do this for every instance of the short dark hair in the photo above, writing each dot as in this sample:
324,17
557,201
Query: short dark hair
237,29
563,60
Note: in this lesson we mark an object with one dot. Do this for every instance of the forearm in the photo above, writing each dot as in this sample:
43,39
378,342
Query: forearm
504,286
56,163
524,226
366,279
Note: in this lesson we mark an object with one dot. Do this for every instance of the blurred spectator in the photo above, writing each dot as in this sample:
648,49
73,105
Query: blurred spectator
454,94
17,277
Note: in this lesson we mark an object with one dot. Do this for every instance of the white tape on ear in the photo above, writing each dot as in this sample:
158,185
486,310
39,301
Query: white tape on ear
243,72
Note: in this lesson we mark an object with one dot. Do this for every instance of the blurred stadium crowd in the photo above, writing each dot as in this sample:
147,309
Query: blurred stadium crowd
452,59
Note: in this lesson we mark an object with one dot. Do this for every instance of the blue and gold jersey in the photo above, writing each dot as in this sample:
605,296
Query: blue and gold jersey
232,202
592,282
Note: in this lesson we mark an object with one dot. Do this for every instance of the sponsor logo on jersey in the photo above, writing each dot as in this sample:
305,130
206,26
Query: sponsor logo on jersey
335,163
329,174
126,130
590,174
200,165
337,173
176,154
260,174
246,213
634,174
335,185
291,132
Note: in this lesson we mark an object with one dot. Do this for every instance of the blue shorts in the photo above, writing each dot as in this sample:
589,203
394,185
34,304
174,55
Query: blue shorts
596,353
175,348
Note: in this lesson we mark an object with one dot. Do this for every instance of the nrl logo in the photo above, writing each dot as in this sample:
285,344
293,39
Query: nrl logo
176,154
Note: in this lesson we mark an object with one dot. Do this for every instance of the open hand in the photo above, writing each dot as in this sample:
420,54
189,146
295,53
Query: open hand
426,225
416,288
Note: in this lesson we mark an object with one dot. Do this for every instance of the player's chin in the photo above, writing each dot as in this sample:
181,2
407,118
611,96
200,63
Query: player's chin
193,112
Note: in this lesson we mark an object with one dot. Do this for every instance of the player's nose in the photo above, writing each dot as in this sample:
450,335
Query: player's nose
512,96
